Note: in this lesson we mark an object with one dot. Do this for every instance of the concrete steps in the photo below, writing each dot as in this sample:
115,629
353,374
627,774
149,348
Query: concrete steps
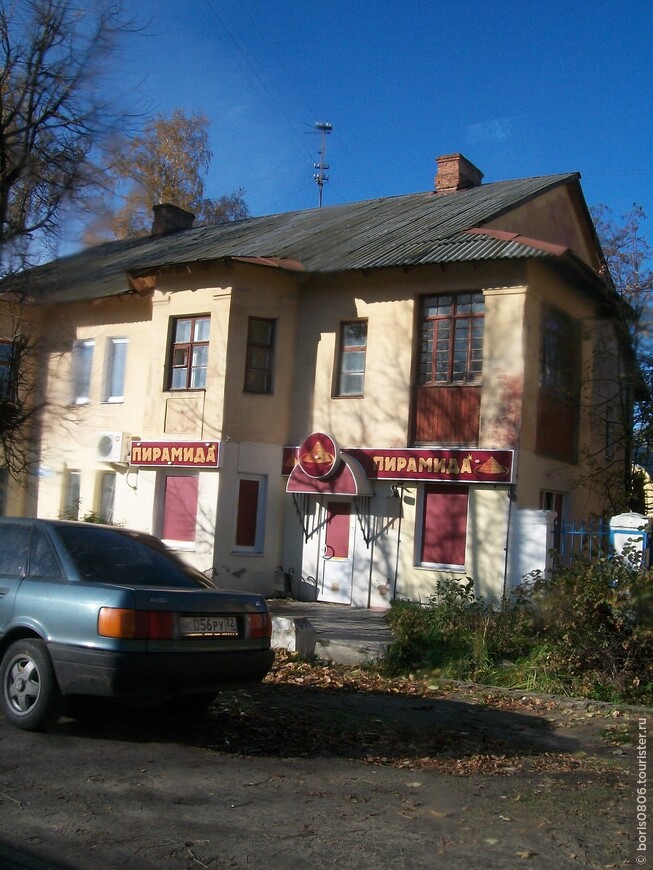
333,632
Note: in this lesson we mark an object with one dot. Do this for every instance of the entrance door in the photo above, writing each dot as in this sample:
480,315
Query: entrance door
336,558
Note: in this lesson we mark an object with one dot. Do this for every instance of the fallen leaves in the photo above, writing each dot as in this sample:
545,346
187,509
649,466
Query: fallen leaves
313,708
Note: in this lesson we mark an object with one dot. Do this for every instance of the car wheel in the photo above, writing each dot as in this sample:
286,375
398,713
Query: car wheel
30,699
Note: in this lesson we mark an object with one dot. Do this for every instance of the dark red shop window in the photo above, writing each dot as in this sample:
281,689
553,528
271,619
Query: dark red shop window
444,525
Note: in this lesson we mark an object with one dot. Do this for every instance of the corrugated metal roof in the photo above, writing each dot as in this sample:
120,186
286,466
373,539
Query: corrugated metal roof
409,230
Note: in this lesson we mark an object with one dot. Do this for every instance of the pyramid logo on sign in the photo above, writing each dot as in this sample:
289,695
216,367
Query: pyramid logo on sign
318,455
492,467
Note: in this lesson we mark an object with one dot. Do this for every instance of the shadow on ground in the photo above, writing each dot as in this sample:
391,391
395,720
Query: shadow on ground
288,721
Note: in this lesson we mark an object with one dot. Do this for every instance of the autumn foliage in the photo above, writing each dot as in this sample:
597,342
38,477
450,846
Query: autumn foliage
585,631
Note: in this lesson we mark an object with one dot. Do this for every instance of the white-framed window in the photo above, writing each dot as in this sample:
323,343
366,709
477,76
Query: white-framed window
71,493
250,514
351,358
114,370
106,496
82,366
189,353
178,508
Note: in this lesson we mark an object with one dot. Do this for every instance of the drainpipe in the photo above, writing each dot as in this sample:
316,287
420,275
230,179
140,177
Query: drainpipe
511,498
401,501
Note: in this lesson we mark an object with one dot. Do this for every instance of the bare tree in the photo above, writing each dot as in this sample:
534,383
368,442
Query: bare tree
53,116
18,377
628,257
167,163
52,111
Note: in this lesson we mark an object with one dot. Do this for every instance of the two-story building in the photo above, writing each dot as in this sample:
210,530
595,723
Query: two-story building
361,399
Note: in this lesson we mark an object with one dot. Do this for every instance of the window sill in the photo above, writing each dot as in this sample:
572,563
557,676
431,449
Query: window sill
440,566
180,546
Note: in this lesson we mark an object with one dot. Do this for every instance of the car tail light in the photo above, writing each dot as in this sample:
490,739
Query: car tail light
258,624
135,624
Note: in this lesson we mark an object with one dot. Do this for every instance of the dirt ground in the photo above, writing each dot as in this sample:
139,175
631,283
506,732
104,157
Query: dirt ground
321,768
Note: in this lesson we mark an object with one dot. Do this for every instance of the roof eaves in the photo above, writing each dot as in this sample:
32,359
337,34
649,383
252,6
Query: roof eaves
504,235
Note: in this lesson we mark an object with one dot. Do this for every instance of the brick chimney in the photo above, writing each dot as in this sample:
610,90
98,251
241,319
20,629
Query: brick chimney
170,219
456,172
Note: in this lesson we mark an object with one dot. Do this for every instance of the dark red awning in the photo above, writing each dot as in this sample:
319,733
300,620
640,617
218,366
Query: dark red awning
348,479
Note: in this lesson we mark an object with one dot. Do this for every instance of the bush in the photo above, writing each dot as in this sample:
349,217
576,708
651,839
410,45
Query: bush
594,615
588,630
456,633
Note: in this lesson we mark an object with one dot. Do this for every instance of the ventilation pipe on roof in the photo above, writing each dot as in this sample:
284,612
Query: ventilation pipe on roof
456,172
170,219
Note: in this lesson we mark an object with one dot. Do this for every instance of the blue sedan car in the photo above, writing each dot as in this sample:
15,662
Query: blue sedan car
87,609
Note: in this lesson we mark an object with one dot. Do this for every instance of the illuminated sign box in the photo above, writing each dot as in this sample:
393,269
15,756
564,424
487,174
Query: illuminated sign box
178,454
471,465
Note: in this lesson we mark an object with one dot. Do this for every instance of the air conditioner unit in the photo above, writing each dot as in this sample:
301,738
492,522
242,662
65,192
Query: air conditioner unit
113,447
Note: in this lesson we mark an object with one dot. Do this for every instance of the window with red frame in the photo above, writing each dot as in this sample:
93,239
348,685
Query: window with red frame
451,349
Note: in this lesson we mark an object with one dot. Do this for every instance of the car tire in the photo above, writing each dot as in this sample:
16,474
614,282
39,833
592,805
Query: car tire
30,697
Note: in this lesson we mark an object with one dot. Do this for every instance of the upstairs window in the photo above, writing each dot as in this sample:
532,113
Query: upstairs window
451,349
82,366
260,354
560,356
189,354
351,362
114,381
7,372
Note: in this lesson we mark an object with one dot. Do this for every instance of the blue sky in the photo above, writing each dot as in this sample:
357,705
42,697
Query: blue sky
521,89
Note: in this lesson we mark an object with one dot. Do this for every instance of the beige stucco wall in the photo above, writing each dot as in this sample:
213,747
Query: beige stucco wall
485,554
504,344
582,481
553,217
381,416
386,298
70,432
268,294
251,428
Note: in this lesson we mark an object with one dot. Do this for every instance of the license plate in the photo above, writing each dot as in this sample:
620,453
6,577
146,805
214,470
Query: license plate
203,626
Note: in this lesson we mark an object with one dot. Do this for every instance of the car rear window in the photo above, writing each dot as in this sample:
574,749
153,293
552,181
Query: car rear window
117,556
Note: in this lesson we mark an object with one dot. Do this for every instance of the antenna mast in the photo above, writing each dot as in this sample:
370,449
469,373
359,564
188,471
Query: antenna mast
320,176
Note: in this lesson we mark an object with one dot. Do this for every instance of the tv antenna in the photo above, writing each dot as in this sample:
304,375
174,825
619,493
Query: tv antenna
320,176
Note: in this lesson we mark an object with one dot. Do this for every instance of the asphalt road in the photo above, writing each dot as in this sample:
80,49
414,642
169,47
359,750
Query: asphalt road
287,778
